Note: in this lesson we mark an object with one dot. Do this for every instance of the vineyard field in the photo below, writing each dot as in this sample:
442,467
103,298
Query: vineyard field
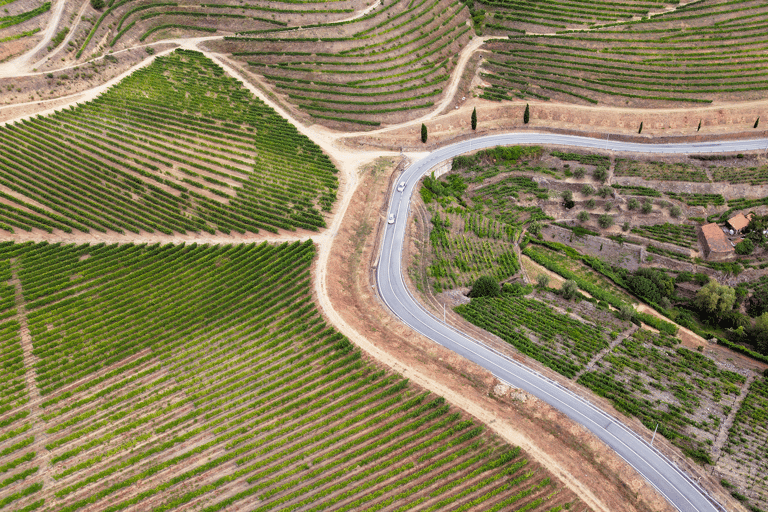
649,376
745,448
689,55
387,66
555,339
239,394
175,147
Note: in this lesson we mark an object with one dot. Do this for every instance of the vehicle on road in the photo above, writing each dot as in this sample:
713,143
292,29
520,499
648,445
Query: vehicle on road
391,218
401,187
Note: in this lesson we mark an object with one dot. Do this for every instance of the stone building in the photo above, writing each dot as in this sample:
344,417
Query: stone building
714,244
739,222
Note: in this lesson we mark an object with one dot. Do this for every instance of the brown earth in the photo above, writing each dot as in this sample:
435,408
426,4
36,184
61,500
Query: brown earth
660,125
584,464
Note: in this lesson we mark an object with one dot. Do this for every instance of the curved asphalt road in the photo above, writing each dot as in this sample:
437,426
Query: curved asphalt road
675,485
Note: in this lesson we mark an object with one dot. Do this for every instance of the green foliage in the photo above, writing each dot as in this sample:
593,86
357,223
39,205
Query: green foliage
243,374
715,298
583,216
485,286
675,212
605,221
640,130
474,118
423,133
600,174
556,340
98,4
745,247
569,289
527,114
542,280
175,147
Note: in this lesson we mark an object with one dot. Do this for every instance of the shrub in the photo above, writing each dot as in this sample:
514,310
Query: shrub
605,221
647,206
569,289
591,203
583,216
542,280
745,247
625,226
423,133
633,204
605,192
580,172
98,4
608,206
626,312
568,199
600,174
715,298
675,212
587,190
485,286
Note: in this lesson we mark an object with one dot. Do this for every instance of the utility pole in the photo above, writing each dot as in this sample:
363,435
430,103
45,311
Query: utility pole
443,312
654,433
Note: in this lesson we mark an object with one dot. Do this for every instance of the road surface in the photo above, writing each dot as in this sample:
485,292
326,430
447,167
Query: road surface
665,476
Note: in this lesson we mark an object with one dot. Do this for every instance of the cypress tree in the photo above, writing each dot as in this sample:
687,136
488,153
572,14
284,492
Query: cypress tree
757,121
699,128
474,119
527,114
641,128
423,133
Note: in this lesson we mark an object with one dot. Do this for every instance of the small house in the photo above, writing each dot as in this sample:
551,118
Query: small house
739,222
714,243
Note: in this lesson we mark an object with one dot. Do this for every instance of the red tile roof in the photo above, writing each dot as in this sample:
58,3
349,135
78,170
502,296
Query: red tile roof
739,222
715,238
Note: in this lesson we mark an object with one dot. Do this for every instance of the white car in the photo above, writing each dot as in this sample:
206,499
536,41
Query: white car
401,187
391,218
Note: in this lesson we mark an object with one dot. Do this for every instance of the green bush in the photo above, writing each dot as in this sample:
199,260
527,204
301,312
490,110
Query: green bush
605,221
569,289
583,216
485,286
745,247
423,133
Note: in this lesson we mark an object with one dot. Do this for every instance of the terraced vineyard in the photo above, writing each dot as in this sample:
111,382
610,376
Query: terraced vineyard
236,395
661,171
504,16
683,235
475,245
745,450
387,66
682,391
19,22
175,147
556,340
699,52
127,22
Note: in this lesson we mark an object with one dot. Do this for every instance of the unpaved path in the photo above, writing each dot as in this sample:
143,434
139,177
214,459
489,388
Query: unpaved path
21,63
66,40
688,337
